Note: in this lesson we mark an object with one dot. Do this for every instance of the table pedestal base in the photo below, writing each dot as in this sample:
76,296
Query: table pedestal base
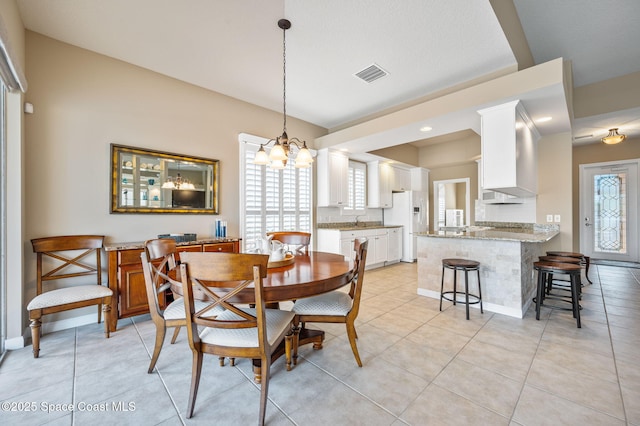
305,337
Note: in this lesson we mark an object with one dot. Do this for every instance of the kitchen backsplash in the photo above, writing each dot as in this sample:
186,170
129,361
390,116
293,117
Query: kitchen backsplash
332,215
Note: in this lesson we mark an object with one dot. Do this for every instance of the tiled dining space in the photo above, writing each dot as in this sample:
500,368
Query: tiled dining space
421,366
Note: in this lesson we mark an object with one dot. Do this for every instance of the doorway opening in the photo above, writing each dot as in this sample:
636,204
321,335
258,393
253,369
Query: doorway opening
451,203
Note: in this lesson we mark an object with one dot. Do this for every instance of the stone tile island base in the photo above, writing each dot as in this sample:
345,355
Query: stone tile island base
506,270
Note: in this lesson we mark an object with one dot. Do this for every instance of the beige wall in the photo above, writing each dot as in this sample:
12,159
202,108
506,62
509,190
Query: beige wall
452,160
555,186
597,153
84,102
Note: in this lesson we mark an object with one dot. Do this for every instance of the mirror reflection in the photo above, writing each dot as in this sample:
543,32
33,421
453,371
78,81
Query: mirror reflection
145,181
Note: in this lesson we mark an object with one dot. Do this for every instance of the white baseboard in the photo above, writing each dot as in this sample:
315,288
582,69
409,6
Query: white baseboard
14,343
50,327
64,324
512,312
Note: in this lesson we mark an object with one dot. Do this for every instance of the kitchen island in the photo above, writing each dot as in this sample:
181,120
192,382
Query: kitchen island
506,257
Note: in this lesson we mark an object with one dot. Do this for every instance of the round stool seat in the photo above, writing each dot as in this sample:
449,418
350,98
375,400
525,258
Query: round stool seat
546,269
466,266
462,264
565,254
582,257
558,267
559,259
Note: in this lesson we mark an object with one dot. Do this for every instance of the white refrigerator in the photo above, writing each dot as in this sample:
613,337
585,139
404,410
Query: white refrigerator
411,210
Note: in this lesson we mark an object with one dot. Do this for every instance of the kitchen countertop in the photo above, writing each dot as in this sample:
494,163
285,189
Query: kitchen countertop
500,234
349,227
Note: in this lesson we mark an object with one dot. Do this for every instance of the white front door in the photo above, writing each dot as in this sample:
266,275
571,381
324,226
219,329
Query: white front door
609,210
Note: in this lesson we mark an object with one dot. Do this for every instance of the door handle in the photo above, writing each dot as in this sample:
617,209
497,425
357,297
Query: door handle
587,224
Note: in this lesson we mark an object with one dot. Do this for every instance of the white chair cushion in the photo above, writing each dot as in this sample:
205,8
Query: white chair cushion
277,322
176,310
66,295
332,303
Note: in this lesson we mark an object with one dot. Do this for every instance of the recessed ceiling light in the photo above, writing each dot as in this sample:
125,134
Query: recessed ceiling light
543,119
426,129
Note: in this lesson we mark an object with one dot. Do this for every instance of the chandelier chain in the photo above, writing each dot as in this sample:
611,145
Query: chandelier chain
284,77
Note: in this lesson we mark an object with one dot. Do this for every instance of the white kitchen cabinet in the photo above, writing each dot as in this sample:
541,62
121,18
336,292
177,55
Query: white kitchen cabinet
401,179
509,150
379,177
341,242
394,249
378,246
420,179
333,178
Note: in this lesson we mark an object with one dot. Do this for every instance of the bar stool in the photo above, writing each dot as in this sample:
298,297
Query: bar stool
561,284
545,271
466,266
583,259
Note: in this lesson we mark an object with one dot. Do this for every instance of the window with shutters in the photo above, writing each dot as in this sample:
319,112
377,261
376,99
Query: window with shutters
357,201
271,200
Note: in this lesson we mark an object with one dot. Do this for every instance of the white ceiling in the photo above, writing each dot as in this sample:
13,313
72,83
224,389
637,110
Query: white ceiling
235,47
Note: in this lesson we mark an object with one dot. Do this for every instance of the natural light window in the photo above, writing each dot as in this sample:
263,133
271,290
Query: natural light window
357,188
271,200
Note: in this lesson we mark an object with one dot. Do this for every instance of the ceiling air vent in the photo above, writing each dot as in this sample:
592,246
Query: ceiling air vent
371,73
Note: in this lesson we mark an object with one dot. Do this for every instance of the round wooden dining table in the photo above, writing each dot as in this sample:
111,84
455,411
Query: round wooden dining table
309,274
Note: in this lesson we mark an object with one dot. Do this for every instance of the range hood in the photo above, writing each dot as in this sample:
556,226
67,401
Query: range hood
509,143
493,197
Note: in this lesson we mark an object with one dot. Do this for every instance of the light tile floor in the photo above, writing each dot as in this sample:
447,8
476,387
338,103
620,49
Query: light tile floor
421,366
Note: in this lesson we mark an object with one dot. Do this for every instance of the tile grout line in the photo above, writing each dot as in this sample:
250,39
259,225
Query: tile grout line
613,352
164,384
73,382
252,382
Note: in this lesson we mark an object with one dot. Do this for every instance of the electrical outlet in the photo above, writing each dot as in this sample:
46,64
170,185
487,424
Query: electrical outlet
549,218
556,218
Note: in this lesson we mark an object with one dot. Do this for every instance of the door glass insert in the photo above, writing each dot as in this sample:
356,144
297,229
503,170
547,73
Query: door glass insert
610,213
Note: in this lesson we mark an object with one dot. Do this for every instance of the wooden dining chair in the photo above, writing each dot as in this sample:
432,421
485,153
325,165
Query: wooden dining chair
158,258
336,306
237,332
62,259
298,242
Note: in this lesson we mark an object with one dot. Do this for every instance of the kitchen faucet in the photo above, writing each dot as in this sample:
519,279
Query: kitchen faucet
357,221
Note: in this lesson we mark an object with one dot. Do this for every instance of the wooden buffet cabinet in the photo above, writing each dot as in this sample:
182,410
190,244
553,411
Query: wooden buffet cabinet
126,279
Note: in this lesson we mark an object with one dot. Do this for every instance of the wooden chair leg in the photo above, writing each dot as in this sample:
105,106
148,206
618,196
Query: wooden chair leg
296,338
106,308
265,363
351,332
232,361
295,344
160,333
100,309
288,342
196,369
35,336
175,334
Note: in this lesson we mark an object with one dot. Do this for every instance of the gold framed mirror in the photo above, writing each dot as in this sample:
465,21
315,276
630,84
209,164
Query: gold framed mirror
146,181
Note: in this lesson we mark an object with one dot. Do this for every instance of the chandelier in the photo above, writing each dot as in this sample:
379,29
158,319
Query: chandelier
178,183
613,137
282,148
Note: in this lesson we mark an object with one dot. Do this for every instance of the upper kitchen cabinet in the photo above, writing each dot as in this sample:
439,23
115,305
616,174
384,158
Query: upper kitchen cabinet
379,182
420,179
509,150
401,179
333,178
